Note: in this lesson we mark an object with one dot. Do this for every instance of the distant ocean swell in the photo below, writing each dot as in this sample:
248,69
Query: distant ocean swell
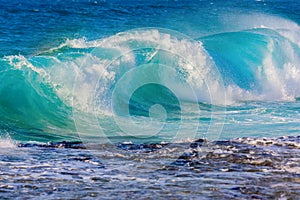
88,80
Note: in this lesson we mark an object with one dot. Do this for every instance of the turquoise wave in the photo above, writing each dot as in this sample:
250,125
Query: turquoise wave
240,56
29,103
40,94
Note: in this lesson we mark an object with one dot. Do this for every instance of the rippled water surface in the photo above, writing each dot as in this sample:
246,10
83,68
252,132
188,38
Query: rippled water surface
237,169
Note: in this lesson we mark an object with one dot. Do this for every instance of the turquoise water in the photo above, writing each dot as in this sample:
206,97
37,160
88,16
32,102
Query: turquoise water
87,69
112,96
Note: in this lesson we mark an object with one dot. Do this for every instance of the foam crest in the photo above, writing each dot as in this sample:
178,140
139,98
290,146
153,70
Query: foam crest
97,75
20,62
6,142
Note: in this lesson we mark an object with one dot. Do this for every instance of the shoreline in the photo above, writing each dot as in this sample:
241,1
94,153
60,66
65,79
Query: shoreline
291,141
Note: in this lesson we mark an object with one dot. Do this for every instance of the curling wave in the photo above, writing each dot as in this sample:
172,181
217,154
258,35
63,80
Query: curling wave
39,94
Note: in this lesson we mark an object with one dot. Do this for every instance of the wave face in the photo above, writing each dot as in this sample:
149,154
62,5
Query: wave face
261,62
147,74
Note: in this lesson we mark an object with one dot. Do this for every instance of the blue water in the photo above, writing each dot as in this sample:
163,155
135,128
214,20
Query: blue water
150,99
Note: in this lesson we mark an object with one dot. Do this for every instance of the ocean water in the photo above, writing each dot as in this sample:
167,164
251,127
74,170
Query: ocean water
150,99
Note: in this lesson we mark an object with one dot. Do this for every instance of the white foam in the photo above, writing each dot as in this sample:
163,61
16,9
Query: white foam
7,143
20,62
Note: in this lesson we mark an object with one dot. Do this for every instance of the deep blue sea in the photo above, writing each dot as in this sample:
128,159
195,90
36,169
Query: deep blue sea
179,99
